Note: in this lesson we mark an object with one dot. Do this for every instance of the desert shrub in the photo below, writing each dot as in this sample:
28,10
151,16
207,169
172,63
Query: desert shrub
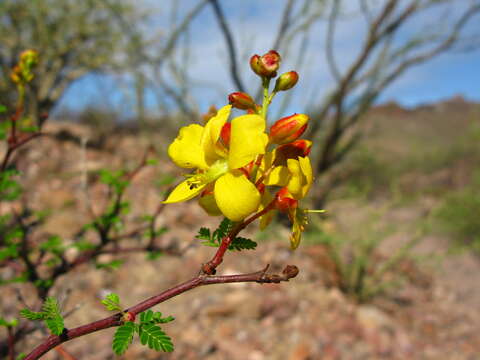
459,214
356,265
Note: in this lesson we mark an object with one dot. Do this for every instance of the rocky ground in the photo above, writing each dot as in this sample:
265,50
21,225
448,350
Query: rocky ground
433,315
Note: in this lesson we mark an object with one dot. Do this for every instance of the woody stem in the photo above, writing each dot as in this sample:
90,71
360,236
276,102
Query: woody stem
210,267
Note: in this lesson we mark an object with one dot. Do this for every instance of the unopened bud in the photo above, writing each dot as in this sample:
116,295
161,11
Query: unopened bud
286,81
29,58
128,316
267,64
288,129
16,74
284,201
241,100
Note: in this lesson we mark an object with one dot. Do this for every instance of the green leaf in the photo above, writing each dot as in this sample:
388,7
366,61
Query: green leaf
112,265
32,315
123,337
150,316
3,109
152,161
10,189
55,324
114,179
153,336
240,243
83,245
166,320
9,252
223,229
54,244
54,319
4,322
112,302
21,356
203,234
153,255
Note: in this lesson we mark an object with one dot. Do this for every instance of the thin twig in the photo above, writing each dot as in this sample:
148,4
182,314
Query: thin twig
289,272
232,52
209,268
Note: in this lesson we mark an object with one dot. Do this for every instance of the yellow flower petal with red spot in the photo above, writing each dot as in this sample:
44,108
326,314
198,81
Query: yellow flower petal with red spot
236,196
183,192
247,140
186,150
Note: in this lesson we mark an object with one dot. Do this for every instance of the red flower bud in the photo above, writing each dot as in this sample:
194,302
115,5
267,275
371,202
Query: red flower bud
128,316
255,64
288,129
286,81
241,101
284,201
225,134
266,65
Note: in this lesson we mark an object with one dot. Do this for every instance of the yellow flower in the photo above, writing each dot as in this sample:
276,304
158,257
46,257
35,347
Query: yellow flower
296,175
296,179
198,147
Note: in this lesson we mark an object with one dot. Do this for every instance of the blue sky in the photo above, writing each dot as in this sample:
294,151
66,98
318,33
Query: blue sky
254,24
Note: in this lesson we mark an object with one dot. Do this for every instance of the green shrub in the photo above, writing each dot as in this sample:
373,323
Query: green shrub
459,214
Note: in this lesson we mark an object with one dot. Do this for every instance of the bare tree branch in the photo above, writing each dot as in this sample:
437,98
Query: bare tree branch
232,51
332,64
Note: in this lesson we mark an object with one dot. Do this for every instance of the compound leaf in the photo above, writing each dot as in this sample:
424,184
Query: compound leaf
32,315
112,302
53,318
240,243
153,336
123,337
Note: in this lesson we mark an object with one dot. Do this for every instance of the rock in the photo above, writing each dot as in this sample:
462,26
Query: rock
372,318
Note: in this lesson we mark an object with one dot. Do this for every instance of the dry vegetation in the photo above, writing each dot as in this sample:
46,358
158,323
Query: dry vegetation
408,167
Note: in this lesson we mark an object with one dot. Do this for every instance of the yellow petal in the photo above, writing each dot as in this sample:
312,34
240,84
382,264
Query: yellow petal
306,167
186,150
236,196
297,179
183,192
297,229
267,160
247,140
212,133
295,237
278,176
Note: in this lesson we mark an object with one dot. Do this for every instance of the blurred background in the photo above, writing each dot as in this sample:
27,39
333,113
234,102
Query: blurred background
390,271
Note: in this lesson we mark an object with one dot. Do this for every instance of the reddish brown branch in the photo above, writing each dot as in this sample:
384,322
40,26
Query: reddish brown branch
11,343
261,277
210,267
14,145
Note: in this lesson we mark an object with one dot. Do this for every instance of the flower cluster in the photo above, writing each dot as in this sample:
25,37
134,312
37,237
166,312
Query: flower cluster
239,168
